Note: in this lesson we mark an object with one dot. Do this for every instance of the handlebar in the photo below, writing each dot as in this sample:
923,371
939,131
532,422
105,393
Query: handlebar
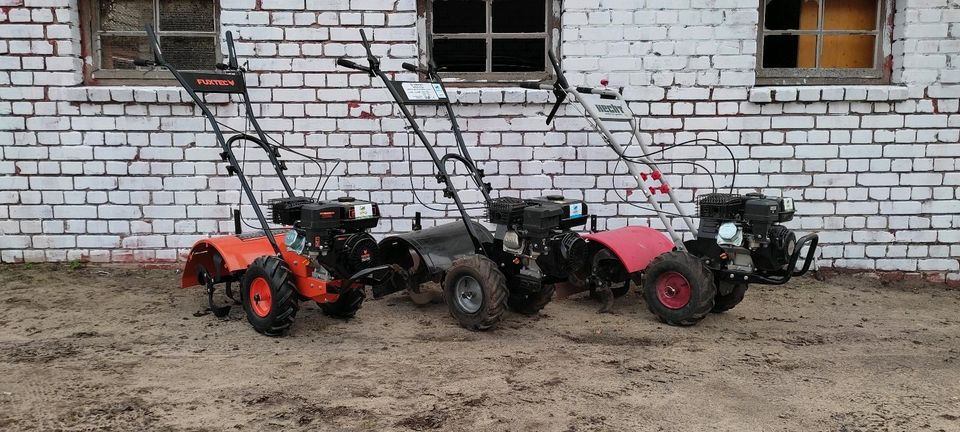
561,78
349,64
158,59
374,63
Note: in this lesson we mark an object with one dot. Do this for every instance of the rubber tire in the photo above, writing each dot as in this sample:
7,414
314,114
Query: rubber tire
493,285
702,294
283,292
724,303
530,304
346,306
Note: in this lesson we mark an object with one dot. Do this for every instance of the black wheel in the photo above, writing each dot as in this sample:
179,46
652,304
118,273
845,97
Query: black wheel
475,291
725,302
346,306
678,288
529,303
269,296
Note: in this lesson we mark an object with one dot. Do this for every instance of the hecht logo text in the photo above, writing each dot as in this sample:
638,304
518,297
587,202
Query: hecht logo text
610,109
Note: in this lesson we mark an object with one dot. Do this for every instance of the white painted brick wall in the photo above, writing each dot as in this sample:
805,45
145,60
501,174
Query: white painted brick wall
133,174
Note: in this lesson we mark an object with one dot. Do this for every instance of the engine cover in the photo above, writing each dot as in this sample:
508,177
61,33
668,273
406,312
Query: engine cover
351,253
565,253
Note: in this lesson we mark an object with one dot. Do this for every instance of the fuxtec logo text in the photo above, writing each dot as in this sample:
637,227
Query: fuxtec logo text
215,82
610,109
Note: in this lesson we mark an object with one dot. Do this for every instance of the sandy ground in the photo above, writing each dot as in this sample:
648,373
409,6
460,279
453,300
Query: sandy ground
120,349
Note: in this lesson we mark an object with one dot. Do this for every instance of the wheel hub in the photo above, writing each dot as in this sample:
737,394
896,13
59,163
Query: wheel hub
673,290
260,296
468,294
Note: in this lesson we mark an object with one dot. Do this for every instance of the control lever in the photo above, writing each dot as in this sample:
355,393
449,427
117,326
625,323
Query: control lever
412,68
561,96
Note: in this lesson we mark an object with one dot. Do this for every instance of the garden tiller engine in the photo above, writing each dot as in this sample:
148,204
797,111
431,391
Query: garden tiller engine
323,252
740,239
482,272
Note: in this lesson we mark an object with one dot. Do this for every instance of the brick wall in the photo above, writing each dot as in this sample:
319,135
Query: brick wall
131,173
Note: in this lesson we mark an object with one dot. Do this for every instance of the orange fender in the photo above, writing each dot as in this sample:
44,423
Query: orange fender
237,253
635,246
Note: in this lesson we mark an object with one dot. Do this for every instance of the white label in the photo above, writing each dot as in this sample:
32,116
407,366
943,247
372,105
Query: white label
417,91
788,204
611,109
439,90
576,210
363,211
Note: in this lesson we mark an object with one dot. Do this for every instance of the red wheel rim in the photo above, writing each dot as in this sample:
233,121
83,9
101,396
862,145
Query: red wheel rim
673,290
260,297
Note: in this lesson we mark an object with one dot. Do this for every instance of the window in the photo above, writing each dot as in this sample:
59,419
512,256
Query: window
188,32
490,40
823,42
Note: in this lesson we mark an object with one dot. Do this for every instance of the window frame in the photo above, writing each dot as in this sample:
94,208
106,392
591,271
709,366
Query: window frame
551,35
90,35
879,74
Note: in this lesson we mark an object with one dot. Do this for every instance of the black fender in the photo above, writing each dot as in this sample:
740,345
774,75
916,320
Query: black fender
428,253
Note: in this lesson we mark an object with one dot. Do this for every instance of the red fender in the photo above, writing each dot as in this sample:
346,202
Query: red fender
636,246
237,254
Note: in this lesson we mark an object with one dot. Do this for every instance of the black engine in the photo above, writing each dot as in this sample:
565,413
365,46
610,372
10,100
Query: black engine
743,232
332,234
540,230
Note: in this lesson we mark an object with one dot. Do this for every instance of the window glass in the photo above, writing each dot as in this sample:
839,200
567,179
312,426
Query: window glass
461,55
125,15
518,55
519,16
187,15
459,16
119,52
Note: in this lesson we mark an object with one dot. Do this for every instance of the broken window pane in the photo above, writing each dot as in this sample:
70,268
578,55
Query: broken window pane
518,55
791,15
519,16
848,51
187,15
189,52
459,16
460,55
119,52
790,51
850,15
125,15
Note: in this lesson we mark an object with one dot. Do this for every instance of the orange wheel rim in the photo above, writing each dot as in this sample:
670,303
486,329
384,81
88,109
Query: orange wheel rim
260,297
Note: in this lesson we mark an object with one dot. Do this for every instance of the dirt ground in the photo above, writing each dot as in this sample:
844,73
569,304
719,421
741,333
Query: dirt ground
122,349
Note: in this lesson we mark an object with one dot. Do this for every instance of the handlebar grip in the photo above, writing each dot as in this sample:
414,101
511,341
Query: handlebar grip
143,62
410,67
221,66
585,89
530,85
349,64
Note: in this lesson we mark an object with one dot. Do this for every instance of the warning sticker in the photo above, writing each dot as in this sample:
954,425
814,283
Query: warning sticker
417,91
363,211
576,210
439,90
